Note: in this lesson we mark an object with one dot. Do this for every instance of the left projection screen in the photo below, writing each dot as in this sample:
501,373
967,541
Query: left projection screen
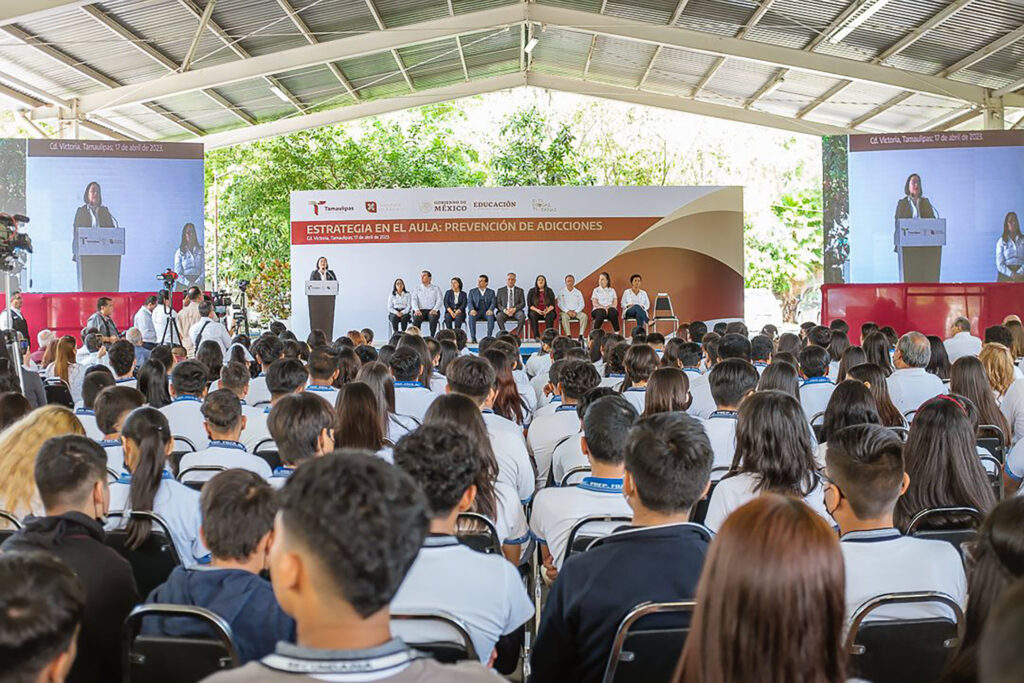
154,192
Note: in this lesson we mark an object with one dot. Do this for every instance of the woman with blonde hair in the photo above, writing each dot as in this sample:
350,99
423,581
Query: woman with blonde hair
19,444
998,364
65,367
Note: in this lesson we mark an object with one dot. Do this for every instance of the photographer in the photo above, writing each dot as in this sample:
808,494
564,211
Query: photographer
165,319
208,327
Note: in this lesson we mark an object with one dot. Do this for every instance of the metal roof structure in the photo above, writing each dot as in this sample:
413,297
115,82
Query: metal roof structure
230,71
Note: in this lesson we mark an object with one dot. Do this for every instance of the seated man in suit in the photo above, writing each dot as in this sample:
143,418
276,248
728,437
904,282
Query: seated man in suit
511,304
481,306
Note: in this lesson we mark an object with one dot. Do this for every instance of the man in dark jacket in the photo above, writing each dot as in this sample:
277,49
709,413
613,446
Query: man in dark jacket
238,516
71,475
658,558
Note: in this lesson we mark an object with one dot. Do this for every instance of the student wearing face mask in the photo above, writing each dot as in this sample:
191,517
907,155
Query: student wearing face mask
71,475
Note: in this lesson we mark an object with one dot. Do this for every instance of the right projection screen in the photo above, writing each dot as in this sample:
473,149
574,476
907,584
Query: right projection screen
923,207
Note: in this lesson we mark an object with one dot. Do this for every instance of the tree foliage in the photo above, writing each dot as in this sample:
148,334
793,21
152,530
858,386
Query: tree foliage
530,151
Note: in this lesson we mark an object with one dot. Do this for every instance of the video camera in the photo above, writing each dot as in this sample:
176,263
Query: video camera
168,277
13,244
221,302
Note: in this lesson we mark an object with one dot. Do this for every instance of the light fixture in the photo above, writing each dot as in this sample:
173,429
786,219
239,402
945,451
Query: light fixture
531,45
280,94
865,11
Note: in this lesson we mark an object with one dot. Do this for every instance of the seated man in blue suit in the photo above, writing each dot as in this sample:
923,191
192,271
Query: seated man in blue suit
481,305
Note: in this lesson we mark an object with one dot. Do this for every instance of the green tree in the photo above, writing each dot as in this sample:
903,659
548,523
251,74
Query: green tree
786,258
530,151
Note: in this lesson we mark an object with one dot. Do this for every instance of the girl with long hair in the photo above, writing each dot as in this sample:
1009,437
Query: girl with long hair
507,402
147,486
771,600
998,364
65,367
969,379
774,454
153,384
938,362
670,357
19,445
876,348
942,461
850,404
377,376
357,422
348,366
1017,330
873,378
419,345
614,363
780,376
852,356
211,355
668,391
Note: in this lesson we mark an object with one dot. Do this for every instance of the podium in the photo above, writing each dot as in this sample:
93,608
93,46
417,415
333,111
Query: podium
98,253
919,243
321,295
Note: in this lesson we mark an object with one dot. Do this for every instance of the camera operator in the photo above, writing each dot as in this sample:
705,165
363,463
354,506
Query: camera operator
208,328
165,319
188,317
143,320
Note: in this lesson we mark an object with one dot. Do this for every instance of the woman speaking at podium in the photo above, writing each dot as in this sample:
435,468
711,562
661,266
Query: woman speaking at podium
914,204
92,214
322,271
1010,251
189,260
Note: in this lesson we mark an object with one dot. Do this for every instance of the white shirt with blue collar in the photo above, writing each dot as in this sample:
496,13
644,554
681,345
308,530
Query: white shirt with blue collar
545,433
229,454
178,506
324,391
509,446
557,510
255,426
258,391
438,383
88,419
815,393
186,419
760,366
721,430
637,396
884,561
412,398
279,477
115,454
548,406
400,425
703,403
568,454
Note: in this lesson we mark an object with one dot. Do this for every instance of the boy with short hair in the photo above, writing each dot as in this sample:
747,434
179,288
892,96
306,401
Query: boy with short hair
540,361
302,426
121,357
656,341
267,349
484,591
761,348
224,425
668,461
93,383
817,388
189,382
234,377
112,407
238,521
730,381
337,580
690,356
576,378
568,452
284,377
865,478
411,397
41,608
556,510
323,370
367,336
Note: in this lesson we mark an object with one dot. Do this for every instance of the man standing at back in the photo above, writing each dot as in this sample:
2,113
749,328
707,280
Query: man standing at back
511,304
102,321
188,317
209,328
961,342
911,385
144,321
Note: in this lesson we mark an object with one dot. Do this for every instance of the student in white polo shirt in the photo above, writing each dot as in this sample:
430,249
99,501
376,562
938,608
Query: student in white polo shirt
576,378
284,377
411,397
557,510
865,477
614,364
539,362
761,348
816,388
323,370
474,377
640,361
302,426
112,408
96,380
188,389
774,454
483,591
731,381
267,349
224,424
121,358
551,399
234,377
910,384
731,345
568,452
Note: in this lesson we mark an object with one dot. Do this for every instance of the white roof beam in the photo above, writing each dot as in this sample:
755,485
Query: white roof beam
951,119
290,124
394,52
757,15
313,40
678,12
300,57
14,11
1007,89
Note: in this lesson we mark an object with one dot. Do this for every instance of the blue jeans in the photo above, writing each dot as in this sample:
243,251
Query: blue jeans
638,313
474,315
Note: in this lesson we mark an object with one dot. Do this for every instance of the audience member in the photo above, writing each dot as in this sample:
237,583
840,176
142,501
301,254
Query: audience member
357,424
113,406
873,377
189,382
377,376
851,404
639,363
852,357
668,391
302,426
731,381
152,382
997,661
92,384
577,377
267,349
568,453
938,363
816,388
877,349
224,422
412,397
781,376
968,379
910,385
13,407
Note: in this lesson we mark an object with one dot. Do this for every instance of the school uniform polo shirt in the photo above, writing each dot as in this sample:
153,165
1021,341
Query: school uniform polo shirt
186,419
482,590
537,384
130,382
567,455
400,425
511,523
258,391
255,426
910,387
557,510
326,392
279,477
88,419
177,505
596,589
721,430
230,454
815,393
734,492
509,446
115,453
614,380
438,383
545,433
884,561
548,406
760,366
703,403
412,398
538,363
637,397
1012,406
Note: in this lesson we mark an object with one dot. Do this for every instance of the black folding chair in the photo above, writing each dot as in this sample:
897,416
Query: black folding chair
699,512
956,536
818,427
481,535
58,393
153,561
270,455
648,655
12,521
909,415
163,659
580,539
182,446
991,439
209,472
574,472
900,650
112,475
441,635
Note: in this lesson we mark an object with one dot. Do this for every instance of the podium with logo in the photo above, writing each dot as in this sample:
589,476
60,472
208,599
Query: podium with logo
919,243
98,253
321,295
